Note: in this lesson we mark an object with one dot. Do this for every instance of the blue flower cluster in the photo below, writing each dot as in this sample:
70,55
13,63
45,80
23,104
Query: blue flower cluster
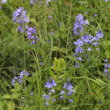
20,77
20,17
50,84
31,33
68,91
87,40
79,23
106,68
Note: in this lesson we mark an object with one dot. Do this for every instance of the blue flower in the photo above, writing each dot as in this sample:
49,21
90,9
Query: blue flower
50,84
62,92
89,49
24,72
47,104
20,17
31,2
70,100
106,60
79,50
95,44
99,34
46,97
79,43
70,92
68,86
20,29
4,1
79,58
106,68
53,99
106,0
31,33
107,65
79,23
61,97
86,40
52,90
20,77
95,15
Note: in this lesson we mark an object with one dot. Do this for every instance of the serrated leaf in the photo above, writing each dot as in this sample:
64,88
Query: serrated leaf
59,65
17,88
6,96
15,95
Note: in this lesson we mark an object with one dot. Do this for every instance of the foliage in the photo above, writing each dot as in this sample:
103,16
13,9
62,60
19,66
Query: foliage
66,41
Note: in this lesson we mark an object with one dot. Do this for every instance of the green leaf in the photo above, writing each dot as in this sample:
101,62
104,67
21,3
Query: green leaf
100,82
17,88
13,96
11,105
59,65
6,96
57,49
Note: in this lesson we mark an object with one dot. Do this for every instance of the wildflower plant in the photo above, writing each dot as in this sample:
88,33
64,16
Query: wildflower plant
19,78
31,33
106,68
63,95
20,17
49,96
89,40
79,23
64,45
55,92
